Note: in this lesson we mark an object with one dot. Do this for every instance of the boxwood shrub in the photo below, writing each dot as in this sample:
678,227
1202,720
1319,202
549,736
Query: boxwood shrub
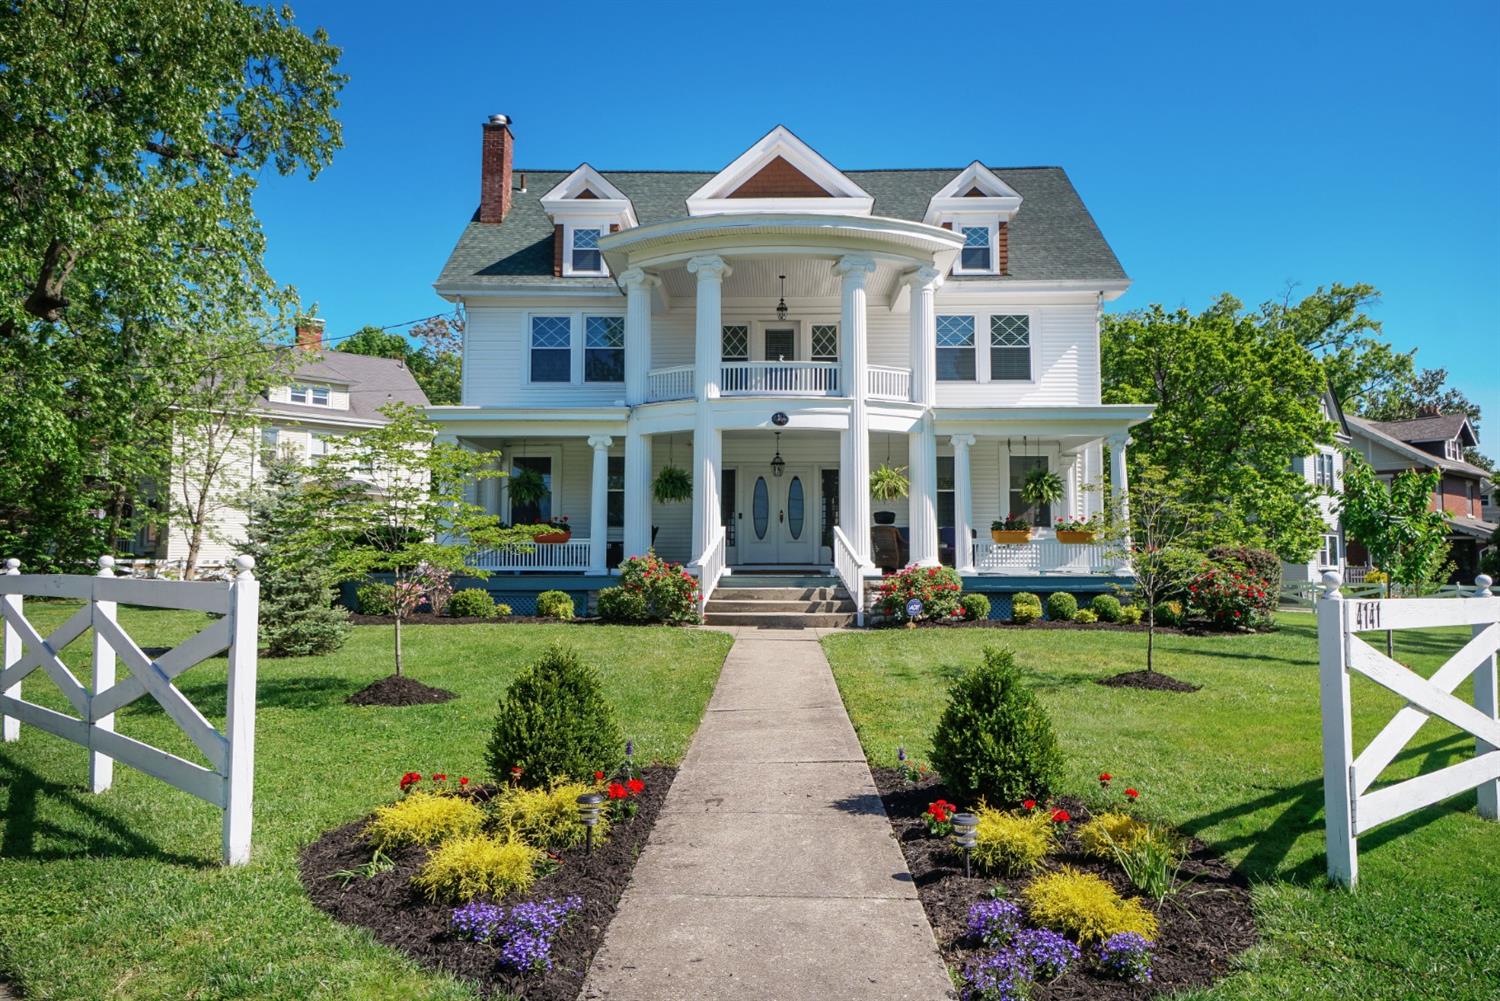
976,607
1061,606
555,723
376,599
472,602
1107,607
554,605
1025,607
616,604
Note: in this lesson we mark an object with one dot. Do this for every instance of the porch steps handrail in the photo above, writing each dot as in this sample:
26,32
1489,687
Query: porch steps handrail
710,569
846,564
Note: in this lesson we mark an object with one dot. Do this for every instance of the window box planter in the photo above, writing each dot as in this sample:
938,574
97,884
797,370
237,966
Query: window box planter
1011,537
1075,538
552,538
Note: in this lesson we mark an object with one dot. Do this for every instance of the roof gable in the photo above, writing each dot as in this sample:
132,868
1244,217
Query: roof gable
975,190
780,173
587,193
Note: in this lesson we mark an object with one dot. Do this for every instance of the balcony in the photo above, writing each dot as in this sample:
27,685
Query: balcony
776,378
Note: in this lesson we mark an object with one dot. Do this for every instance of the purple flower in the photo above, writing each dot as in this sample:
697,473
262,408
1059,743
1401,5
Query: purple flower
1127,956
1005,976
901,753
477,922
994,922
524,934
629,749
1049,953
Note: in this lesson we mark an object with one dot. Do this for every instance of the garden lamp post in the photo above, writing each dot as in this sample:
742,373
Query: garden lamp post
964,826
588,812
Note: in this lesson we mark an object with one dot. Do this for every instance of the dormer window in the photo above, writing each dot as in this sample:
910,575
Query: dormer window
977,255
585,257
306,394
1455,450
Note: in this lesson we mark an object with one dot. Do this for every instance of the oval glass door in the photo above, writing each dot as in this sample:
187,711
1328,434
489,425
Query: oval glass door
760,507
794,507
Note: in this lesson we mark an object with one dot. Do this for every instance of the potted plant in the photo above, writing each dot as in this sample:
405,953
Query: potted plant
888,483
558,531
527,489
1011,530
1076,531
1042,486
672,486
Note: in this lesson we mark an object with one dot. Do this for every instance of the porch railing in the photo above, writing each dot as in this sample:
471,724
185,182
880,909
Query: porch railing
1041,556
791,378
572,555
886,383
850,572
675,383
710,569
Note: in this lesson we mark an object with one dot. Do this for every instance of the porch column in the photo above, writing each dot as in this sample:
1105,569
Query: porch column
963,505
854,476
599,503
711,271
924,283
637,492
1119,484
922,503
638,286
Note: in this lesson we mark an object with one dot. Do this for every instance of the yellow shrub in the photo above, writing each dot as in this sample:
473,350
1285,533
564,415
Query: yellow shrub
1012,843
423,819
547,818
1121,828
1084,906
461,869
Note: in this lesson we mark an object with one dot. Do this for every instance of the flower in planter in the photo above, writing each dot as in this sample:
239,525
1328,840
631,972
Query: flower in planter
939,818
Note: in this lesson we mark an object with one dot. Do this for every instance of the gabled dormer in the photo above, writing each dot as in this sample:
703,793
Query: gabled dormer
780,173
583,207
978,205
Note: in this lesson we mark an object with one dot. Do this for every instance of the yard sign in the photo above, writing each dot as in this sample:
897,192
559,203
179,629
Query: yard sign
1349,807
227,781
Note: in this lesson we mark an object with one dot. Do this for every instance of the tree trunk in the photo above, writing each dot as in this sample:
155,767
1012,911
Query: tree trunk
398,640
1150,639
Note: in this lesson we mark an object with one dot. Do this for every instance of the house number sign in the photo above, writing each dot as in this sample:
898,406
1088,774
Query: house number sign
1366,615
779,419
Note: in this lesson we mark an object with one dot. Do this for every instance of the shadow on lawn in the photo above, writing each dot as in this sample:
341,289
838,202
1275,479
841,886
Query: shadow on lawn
1301,809
105,836
288,693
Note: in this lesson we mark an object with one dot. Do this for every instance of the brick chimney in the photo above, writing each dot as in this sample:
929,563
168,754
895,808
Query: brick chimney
495,170
309,333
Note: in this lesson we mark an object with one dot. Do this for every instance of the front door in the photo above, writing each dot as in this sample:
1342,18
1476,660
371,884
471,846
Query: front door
778,517
781,344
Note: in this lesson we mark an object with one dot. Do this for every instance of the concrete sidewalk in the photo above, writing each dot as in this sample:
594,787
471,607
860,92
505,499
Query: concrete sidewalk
771,873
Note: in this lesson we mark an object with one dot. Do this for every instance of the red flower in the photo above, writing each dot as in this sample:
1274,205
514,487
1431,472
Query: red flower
635,786
1029,804
440,776
464,781
410,779
1131,793
1104,778
616,791
1061,816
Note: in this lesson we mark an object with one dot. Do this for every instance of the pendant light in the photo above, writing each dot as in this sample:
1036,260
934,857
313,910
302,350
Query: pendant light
778,464
781,309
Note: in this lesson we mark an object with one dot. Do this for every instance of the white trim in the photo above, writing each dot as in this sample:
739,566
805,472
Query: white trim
992,226
847,198
570,231
1002,201
577,345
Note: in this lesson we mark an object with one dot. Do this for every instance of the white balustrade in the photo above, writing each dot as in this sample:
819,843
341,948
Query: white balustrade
771,378
1043,556
675,383
887,383
847,565
710,570
536,557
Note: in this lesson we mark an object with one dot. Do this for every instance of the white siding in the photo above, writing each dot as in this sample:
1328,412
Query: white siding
497,355
1064,356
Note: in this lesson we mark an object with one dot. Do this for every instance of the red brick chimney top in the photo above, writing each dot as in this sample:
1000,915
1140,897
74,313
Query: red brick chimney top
495,169
309,333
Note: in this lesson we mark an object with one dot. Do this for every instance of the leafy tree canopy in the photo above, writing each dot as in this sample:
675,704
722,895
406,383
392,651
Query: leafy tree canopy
1394,522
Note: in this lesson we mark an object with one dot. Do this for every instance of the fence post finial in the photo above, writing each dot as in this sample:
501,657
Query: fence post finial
1332,581
245,564
12,567
106,566
1482,585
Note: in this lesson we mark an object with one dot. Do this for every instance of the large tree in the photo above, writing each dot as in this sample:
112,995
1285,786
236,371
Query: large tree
1335,325
1237,401
433,353
132,138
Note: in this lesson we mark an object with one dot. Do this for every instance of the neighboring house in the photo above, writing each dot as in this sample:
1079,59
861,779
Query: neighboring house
329,395
1324,470
1435,441
776,329
1490,508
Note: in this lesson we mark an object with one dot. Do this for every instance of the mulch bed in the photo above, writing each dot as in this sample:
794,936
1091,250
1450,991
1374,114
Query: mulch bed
399,690
428,619
401,918
1204,925
1151,680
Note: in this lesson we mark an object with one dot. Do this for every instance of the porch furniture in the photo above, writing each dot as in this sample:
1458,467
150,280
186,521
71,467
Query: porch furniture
888,549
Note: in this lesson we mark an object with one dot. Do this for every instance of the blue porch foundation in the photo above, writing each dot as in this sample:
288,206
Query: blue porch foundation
518,590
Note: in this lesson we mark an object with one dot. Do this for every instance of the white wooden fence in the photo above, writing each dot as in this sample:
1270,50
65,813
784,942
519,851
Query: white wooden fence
1351,809
227,782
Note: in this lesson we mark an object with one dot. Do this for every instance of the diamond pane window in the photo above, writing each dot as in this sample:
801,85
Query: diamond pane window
1010,347
586,251
736,343
955,348
976,252
825,342
551,349
604,349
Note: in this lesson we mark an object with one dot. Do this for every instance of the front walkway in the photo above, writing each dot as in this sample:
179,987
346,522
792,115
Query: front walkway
772,873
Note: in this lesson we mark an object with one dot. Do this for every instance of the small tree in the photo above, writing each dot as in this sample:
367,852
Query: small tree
1161,522
297,614
398,503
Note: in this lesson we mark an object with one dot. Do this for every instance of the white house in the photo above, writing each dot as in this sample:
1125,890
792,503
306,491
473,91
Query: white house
1324,472
330,395
776,329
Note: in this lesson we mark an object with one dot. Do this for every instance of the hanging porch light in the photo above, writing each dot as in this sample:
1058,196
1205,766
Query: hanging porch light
778,464
781,309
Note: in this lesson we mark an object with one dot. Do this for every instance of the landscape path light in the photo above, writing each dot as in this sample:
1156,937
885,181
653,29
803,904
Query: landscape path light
964,827
588,811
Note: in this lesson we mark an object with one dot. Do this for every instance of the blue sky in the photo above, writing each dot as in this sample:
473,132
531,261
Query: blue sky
1234,149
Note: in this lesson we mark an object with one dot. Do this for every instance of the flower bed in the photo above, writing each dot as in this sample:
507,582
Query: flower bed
1201,928
559,920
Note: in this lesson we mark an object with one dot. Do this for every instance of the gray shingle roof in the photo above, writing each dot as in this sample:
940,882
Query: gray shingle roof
1052,237
1440,428
373,382
1376,431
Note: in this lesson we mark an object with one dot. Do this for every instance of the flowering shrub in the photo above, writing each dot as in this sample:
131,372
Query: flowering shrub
937,588
1229,598
1127,956
524,932
670,592
438,583
994,922
939,818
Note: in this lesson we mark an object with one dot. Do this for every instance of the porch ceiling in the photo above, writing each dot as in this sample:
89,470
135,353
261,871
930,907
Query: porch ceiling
809,278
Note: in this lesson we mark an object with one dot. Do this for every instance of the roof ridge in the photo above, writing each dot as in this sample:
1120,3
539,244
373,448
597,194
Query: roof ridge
851,170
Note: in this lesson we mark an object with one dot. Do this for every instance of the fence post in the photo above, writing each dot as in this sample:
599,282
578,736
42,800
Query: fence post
102,766
1338,736
239,721
1487,701
9,724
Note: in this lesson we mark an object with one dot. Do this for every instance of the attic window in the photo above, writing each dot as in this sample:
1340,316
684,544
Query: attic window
978,254
316,395
585,256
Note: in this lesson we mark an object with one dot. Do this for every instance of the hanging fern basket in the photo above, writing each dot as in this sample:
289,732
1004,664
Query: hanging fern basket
672,486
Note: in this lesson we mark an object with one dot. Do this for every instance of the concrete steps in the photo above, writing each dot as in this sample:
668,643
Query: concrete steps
780,601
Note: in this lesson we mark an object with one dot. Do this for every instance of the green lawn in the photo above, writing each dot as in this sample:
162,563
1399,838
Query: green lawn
121,895
1239,765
